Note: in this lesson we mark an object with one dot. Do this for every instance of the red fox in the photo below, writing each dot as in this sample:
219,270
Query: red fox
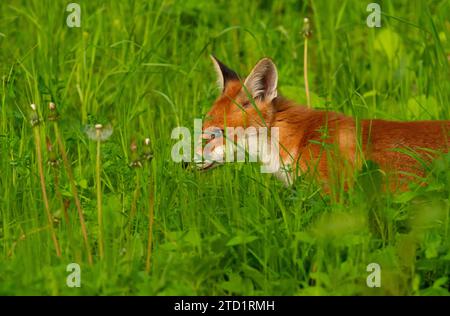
327,144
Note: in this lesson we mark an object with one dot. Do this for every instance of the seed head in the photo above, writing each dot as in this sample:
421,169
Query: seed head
98,132
306,28
133,146
34,119
53,116
52,159
135,164
135,160
148,155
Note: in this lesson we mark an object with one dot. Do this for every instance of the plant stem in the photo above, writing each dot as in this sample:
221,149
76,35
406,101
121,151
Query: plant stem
305,69
99,198
134,202
37,138
150,226
63,206
74,191
132,217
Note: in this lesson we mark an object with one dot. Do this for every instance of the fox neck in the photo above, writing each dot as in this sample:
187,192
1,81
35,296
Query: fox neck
291,119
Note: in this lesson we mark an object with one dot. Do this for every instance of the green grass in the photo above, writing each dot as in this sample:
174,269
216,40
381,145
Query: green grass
143,67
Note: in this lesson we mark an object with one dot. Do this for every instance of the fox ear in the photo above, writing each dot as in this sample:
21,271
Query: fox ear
224,74
262,81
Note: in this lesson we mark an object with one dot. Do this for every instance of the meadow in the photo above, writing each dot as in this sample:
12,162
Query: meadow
141,68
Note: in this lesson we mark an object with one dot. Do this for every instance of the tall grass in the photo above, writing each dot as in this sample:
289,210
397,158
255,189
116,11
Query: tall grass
144,67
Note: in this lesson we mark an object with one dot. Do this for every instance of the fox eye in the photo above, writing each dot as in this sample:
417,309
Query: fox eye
246,104
217,133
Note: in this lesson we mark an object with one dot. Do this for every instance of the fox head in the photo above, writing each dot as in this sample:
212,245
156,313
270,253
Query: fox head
242,103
